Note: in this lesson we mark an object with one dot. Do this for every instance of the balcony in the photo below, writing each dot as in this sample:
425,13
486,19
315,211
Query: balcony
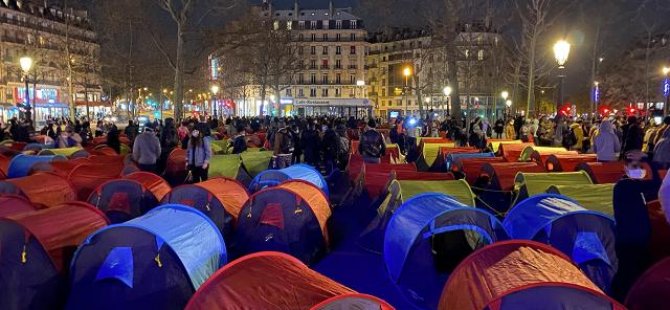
338,67
353,67
325,67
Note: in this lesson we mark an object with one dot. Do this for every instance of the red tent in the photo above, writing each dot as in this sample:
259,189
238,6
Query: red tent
541,156
608,172
265,280
152,182
353,301
377,182
512,151
86,178
13,205
660,231
440,163
516,273
44,189
471,167
652,289
175,169
61,168
566,162
501,175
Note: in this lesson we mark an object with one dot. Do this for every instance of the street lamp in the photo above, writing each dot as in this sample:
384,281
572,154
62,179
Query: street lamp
26,64
561,53
508,103
447,93
666,90
406,72
215,90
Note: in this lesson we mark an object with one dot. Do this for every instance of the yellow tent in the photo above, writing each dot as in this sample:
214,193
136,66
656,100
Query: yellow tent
595,197
530,184
458,189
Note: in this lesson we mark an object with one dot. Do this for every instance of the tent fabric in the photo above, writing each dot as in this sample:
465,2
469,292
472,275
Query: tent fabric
156,261
191,235
13,204
430,151
44,189
123,200
512,151
567,162
295,172
586,236
595,197
175,168
265,280
256,162
527,152
500,270
207,202
61,167
652,289
353,301
440,163
470,168
230,192
502,175
375,183
660,231
225,166
86,178
459,189
453,158
290,218
530,184
494,144
157,185
609,172
372,237
67,152
408,253
20,165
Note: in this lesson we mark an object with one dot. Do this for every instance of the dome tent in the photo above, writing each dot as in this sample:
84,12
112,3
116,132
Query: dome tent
152,182
651,290
595,197
20,165
43,189
270,280
269,178
35,251
567,162
586,236
516,274
14,204
427,236
530,184
290,218
123,200
232,193
156,261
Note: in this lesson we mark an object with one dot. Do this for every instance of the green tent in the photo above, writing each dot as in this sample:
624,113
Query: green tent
459,189
220,147
65,151
429,154
256,161
595,197
531,184
225,166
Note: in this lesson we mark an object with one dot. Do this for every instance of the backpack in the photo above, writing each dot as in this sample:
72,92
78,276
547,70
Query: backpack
344,146
569,137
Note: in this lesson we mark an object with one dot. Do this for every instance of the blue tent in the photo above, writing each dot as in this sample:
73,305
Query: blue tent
452,158
587,237
123,200
20,165
156,261
269,178
428,236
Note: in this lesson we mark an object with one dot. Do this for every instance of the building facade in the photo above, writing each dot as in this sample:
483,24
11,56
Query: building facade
409,68
65,53
330,46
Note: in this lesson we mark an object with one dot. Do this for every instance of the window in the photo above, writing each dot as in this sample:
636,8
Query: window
301,79
338,37
301,50
288,92
384,92
338,50
312,24
325,50
289,25
301,37
338,92
325,37
383,82
324,92
338,64
313,50
312,64
352,23
301,24
338,78
352,37
352,80
276,25
313,37
480,55
313,78
338,24
324,79
352,50
324,64
301,93
312,92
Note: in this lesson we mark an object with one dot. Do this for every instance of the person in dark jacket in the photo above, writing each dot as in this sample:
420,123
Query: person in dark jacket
240,141
131,131
372,145
113,140
633,136
499,127
169,140
311,142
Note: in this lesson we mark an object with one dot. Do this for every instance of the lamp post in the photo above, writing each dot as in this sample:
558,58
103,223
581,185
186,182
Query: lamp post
561,53
26,64
215,90
666,90
447,93
504,95
407,72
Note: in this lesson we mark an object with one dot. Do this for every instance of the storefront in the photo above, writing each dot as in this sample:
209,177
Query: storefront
334,107
96,110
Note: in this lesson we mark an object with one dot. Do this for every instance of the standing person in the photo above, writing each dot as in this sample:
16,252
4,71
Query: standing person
282,146
311,142
147,150
577,130
99,129
69,138
240,141
633,136
132,131
372,145
510,133
344,147
662,152
606,143
169,141
113,140
297,146
198,155
498,128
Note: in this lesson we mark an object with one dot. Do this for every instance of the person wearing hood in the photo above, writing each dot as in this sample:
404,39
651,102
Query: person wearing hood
606,144
147,150
662,152
579,135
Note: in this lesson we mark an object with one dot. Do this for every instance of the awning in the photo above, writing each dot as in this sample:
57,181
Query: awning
332,102
53,105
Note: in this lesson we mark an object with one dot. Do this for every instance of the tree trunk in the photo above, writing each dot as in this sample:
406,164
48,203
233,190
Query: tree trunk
530,101
179,77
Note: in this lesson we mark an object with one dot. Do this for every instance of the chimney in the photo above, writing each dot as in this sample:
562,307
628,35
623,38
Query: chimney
331,8
296,9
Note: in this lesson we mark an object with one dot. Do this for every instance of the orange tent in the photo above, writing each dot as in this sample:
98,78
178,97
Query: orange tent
61,168
512,151
13,204
501,175
152,182
608,172
175,169
566,162
86,178
44,189
265,280
230,192
470,168
542,155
